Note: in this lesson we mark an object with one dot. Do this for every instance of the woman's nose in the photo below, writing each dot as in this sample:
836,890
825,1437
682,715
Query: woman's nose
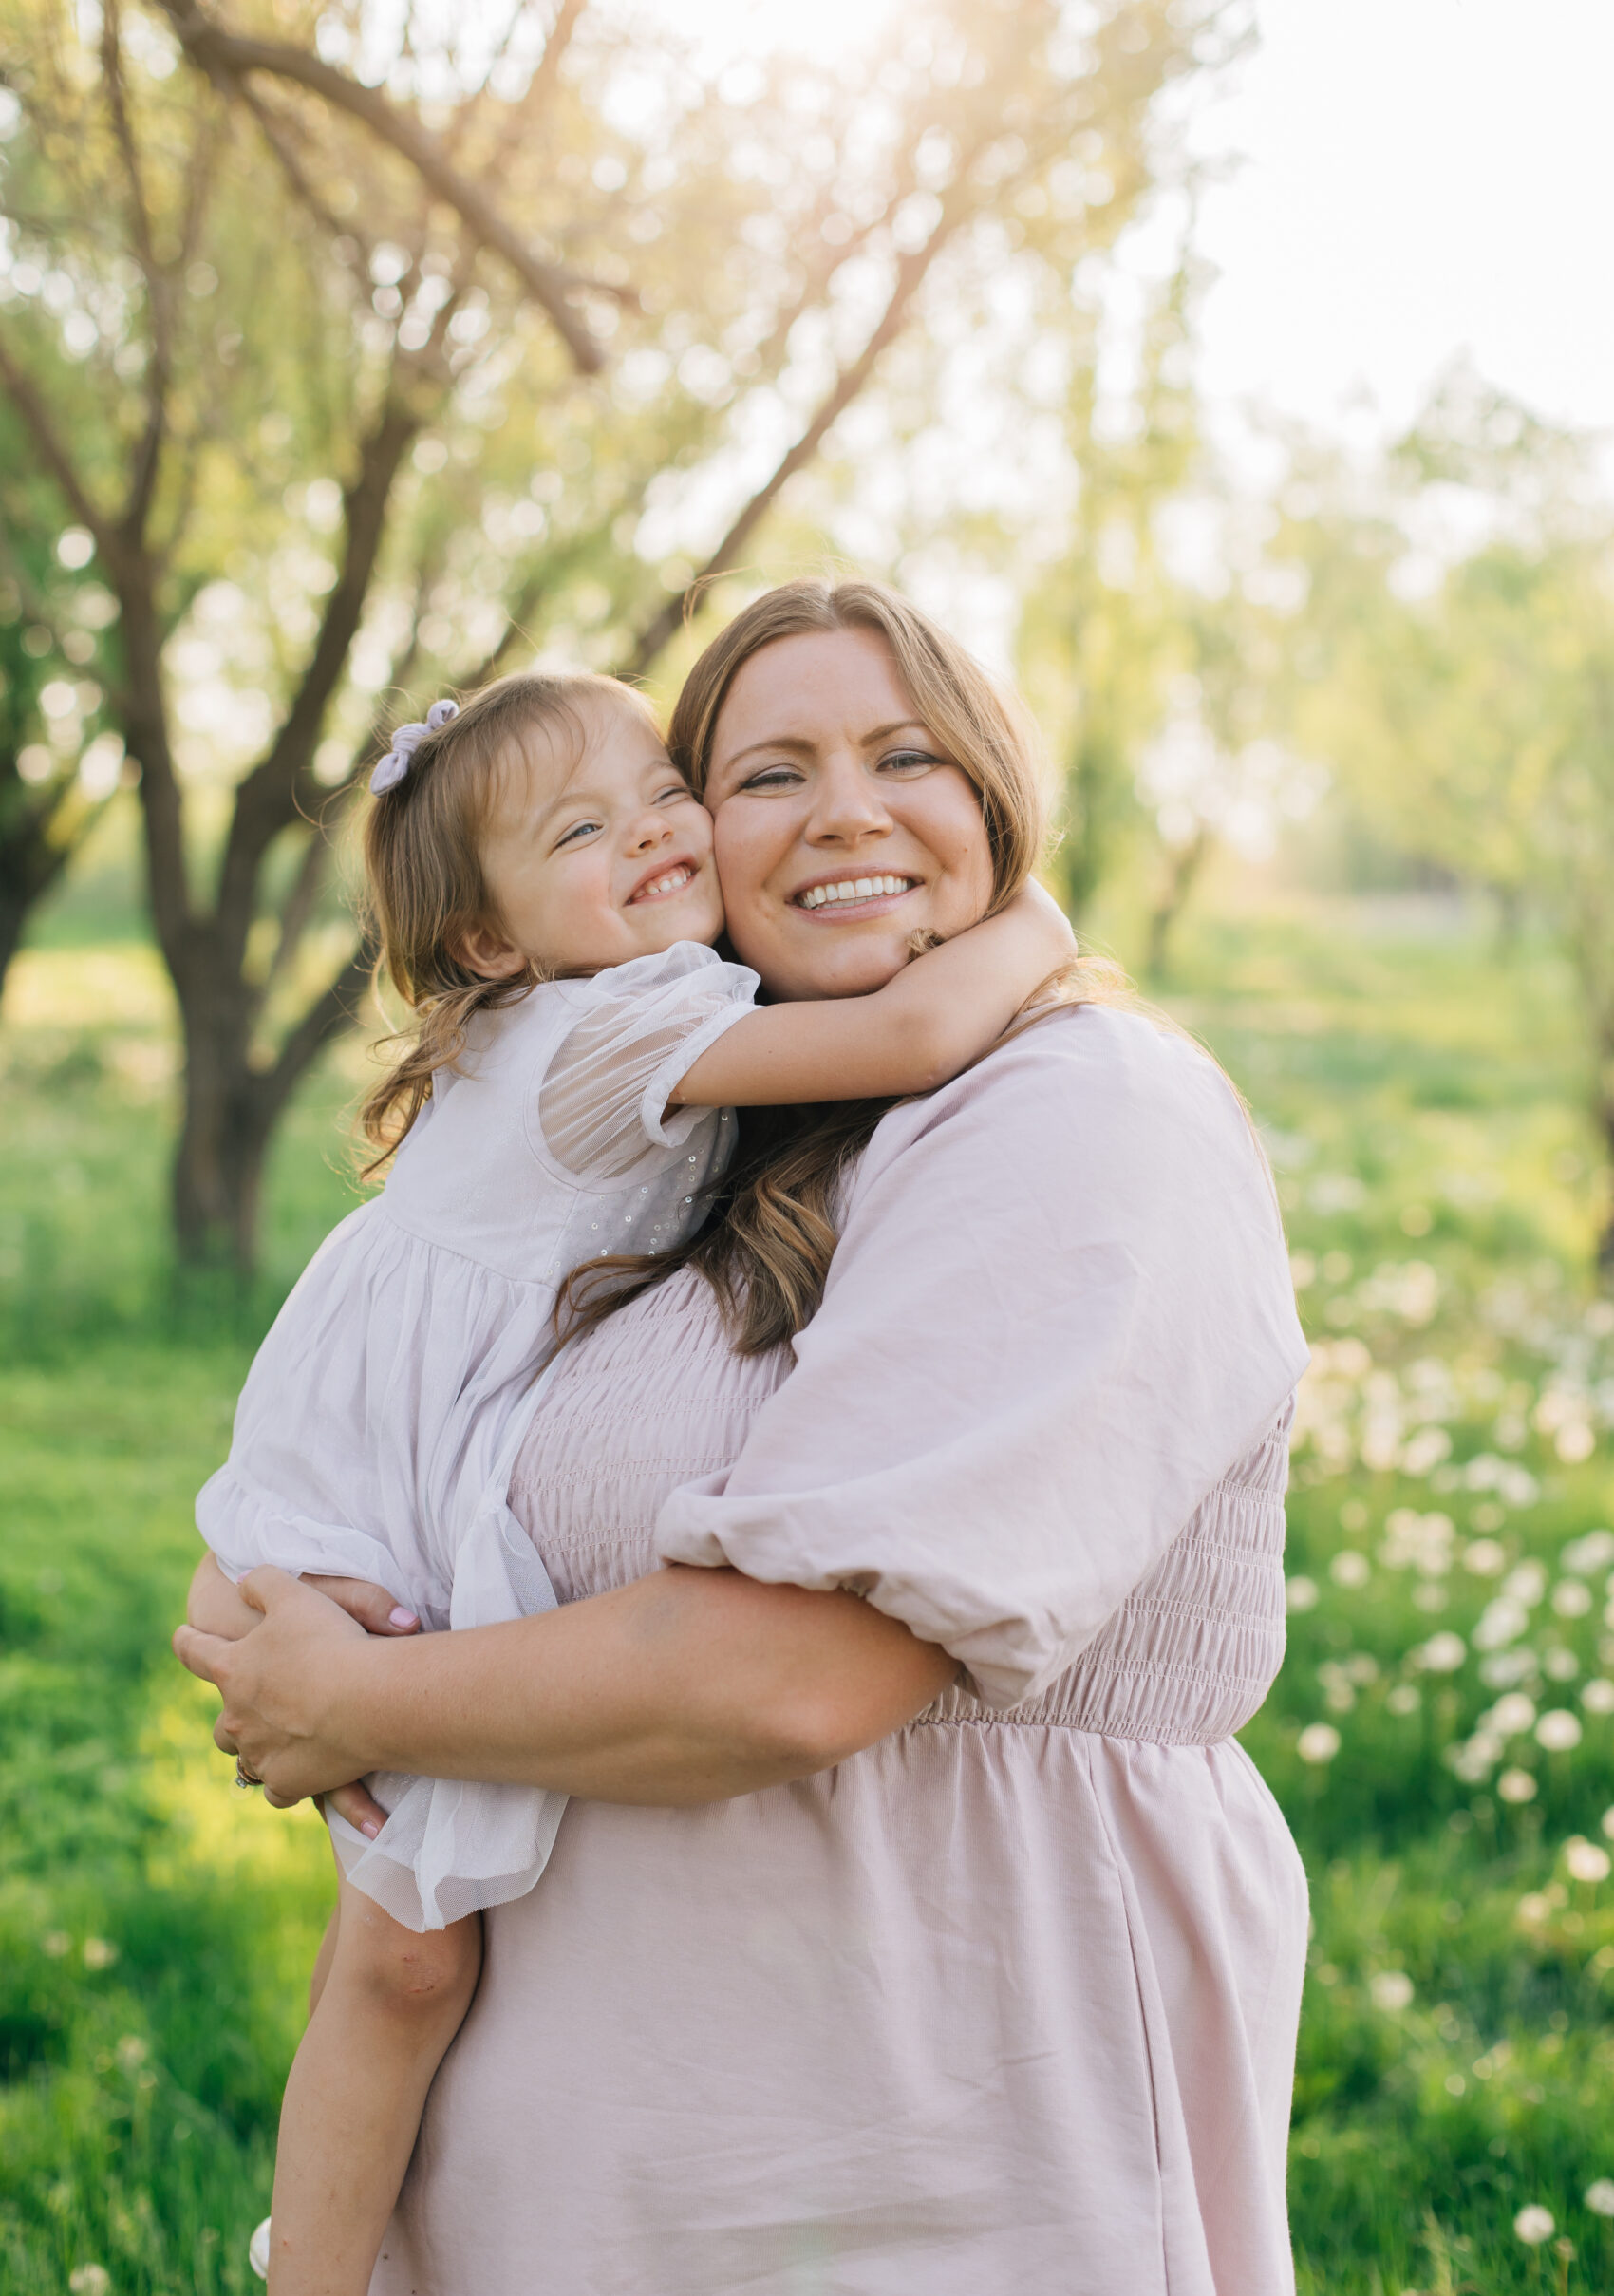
847,805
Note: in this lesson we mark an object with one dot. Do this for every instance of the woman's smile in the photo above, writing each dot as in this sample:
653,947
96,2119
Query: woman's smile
842,898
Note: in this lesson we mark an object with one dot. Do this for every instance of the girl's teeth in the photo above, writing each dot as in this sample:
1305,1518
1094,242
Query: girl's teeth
851,888
669,884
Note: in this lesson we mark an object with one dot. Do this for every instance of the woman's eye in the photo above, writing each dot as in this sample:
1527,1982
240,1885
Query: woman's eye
905,761
772,777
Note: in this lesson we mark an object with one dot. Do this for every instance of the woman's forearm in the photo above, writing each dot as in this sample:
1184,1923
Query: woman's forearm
684,1686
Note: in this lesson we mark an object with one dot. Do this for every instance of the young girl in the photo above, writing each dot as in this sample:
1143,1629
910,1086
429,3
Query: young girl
544,886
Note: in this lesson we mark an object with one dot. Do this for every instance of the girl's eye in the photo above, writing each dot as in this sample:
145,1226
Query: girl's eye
675,793
578,829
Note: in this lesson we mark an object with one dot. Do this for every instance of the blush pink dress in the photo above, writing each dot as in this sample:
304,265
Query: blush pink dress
1005,2006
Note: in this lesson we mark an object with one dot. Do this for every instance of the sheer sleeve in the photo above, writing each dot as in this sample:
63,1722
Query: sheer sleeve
602,1099
1059,1311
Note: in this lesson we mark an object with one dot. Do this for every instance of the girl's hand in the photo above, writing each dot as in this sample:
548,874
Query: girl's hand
276,1682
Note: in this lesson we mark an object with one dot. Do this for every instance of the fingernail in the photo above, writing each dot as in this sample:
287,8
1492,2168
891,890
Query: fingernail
398,1616
369,1829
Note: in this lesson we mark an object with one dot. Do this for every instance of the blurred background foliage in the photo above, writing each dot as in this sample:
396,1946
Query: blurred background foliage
353,354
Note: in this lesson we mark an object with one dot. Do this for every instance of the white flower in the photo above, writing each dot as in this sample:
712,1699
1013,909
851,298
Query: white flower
1391,1989
257,2251
1502,1620
1484,1557
90,2280
1526,1584
1598,1696
1595,1551
1607,1822
99,1954
1350,1567
1301,1593
1600,2197
1512,1714
55,1943
1318,1742
1534,2223
1443,1653
1570,1599
1516,1785
1558,1730
1586,1861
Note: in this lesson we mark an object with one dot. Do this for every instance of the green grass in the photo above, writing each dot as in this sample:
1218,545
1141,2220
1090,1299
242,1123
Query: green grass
1457,2064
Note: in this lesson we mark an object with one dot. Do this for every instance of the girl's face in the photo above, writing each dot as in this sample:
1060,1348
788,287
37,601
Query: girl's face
598,856
840,827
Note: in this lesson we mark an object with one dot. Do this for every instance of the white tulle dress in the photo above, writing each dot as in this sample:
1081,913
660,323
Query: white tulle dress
376,1432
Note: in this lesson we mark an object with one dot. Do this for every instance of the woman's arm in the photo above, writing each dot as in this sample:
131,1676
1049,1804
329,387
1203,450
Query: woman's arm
940,1014
685,1687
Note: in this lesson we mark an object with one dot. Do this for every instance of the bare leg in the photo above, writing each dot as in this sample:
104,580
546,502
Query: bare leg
387,2003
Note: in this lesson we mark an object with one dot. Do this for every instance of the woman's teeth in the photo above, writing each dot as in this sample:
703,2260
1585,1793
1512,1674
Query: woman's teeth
851,888
670,883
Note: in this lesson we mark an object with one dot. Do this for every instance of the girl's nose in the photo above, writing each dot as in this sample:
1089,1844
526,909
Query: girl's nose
653,829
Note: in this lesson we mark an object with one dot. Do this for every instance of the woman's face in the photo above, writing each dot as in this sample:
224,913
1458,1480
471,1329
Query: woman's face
839,827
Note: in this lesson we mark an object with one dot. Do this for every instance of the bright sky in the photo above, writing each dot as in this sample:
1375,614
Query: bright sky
1422,177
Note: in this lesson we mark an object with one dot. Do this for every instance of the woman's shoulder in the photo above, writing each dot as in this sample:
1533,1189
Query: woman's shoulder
1093,1104
1092,1068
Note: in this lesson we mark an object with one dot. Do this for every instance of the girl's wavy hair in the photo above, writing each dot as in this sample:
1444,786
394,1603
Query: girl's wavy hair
426,886
770,1230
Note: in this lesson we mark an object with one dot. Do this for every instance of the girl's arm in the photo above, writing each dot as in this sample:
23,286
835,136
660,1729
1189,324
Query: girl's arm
940,1014
682,1688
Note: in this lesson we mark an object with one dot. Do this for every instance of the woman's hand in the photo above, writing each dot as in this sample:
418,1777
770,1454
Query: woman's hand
216,1607
286,1642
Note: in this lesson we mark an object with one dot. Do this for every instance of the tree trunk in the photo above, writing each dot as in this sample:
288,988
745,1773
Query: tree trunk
224,1135
1606,1240
13,917
1184,863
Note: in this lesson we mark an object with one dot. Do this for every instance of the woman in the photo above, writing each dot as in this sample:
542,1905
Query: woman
918,1929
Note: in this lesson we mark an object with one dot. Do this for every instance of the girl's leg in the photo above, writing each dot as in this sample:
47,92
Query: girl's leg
387,2003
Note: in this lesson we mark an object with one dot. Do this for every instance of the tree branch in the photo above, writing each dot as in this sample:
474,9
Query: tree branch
325,1019
227,58
25,399
545,80
147,456
850,379
266,801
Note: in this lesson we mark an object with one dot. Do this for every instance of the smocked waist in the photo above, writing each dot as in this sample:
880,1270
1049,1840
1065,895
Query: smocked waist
1146,1701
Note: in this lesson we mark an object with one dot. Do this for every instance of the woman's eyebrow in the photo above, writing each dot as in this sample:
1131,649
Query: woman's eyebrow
799,744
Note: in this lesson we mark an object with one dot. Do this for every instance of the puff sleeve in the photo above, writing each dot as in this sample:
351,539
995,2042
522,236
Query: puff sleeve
642,1026
1060,1310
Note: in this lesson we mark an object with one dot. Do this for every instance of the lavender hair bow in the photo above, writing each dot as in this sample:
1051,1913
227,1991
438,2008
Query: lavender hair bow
405,743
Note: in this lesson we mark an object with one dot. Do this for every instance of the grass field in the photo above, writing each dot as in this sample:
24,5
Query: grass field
1441,1737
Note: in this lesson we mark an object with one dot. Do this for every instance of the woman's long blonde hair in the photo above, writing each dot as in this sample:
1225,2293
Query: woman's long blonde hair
766,1245
425,886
